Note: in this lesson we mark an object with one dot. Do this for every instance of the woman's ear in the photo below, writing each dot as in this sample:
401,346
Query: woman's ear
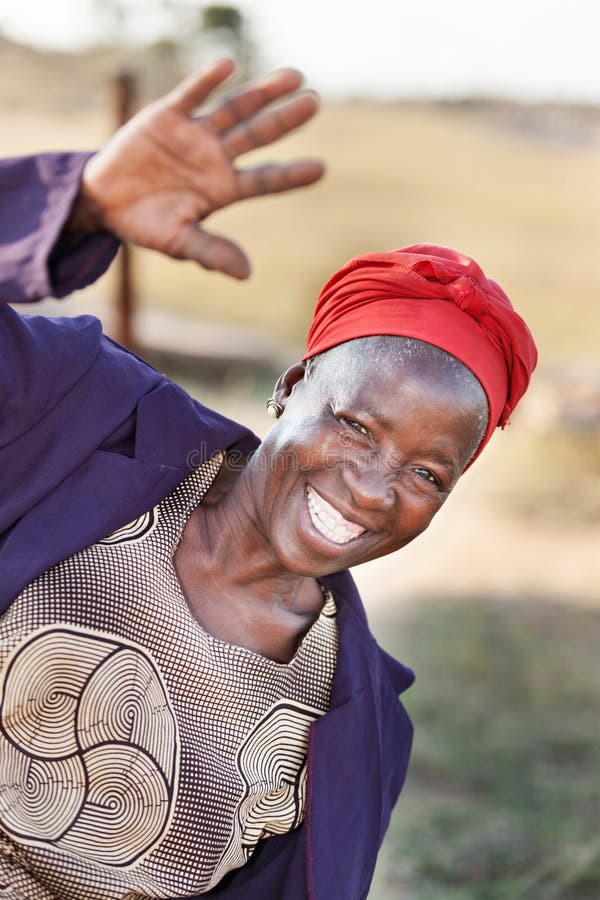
286,382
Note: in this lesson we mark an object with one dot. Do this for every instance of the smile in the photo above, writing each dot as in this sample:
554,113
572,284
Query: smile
328,521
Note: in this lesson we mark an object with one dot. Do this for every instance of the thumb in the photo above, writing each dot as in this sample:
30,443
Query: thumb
213,252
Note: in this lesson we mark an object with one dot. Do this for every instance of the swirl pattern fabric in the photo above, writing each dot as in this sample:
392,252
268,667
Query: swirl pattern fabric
140,756
83,720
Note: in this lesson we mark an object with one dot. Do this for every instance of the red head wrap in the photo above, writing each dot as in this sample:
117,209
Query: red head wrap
439,296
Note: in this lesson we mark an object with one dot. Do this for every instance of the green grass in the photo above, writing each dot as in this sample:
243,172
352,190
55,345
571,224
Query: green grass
503,791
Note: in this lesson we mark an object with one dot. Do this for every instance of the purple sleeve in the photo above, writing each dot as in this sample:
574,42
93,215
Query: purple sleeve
36,259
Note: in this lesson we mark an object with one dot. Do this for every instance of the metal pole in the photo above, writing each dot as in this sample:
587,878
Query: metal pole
123,94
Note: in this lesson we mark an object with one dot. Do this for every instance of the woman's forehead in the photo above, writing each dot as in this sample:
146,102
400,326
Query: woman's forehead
380,387
392,360
385,350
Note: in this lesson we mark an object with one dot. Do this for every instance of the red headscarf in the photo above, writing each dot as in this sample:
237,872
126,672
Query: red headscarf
439,296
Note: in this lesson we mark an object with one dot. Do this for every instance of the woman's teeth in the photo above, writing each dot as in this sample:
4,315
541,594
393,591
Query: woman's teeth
328,521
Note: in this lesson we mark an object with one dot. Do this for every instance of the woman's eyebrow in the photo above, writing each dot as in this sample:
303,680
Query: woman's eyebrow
369,412
441,458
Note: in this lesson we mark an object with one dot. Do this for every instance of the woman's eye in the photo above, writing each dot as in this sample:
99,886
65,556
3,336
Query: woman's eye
428,475
356,426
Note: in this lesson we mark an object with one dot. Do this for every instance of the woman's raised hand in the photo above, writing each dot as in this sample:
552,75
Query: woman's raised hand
166,170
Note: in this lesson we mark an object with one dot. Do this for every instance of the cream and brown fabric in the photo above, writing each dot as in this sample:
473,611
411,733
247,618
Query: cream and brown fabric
140,757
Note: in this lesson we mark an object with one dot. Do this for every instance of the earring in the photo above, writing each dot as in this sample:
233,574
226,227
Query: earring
274,408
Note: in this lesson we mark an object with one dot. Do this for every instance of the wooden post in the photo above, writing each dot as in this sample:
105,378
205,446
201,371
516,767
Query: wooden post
123,94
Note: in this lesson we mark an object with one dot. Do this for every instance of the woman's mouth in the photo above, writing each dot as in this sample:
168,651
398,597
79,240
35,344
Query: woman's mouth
328,521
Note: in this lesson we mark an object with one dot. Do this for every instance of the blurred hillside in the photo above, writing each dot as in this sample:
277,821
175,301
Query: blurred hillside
46,81
517,187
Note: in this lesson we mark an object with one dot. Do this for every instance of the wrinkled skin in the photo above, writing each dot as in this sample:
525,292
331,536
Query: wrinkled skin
385,455
384,449
169,168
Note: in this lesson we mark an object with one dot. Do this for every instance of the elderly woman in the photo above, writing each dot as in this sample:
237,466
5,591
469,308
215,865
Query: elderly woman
191,700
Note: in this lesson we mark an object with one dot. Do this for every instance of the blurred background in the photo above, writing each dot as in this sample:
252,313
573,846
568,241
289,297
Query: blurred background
475,125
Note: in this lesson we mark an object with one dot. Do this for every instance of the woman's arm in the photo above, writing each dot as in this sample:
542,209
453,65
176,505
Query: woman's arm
37,258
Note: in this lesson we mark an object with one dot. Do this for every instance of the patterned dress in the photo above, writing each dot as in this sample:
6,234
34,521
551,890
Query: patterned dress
141,757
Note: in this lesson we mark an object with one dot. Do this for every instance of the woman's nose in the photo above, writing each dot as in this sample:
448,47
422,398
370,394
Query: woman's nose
369,487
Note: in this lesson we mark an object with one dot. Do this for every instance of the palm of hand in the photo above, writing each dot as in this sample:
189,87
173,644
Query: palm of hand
162,174
165,171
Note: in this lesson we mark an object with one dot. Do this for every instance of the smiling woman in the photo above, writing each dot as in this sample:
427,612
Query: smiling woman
191,701
374,440
360,461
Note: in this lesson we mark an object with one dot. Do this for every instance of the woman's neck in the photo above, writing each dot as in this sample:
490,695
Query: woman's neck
232,580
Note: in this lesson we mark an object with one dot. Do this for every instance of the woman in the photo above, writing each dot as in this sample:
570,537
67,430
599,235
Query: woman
192,703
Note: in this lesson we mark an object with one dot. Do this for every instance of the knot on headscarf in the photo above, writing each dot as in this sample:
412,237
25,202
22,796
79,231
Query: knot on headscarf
468,296
439,296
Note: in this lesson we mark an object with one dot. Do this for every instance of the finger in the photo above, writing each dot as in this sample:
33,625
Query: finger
247,100
273,178
270,126
212,251
195,89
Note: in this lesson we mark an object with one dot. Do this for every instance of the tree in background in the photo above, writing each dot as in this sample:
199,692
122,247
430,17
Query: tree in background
223,31
197,35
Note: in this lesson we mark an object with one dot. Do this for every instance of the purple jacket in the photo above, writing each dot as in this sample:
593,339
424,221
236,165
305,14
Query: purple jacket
91,437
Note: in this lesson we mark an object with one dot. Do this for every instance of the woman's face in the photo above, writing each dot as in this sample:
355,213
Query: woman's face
361,459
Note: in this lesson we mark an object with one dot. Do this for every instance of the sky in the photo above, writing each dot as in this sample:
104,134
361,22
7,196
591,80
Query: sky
528,49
